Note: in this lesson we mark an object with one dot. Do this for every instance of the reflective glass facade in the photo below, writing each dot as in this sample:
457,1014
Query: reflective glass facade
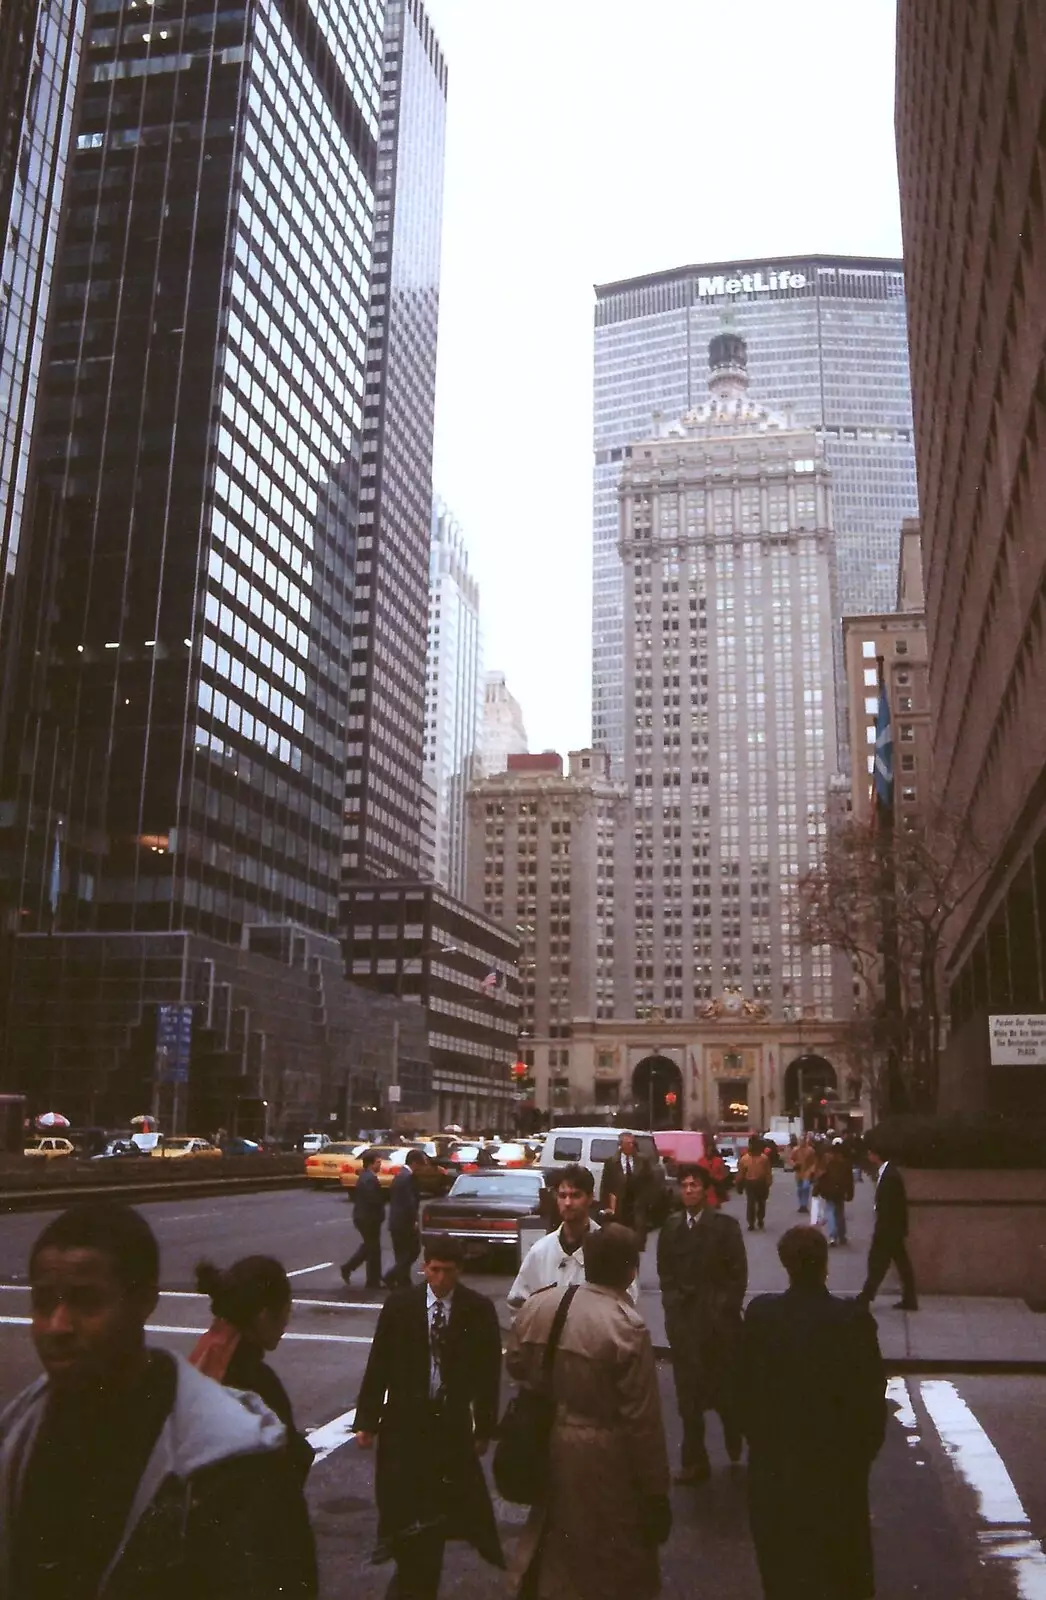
39,62
827,338
387,719
184,688
453,695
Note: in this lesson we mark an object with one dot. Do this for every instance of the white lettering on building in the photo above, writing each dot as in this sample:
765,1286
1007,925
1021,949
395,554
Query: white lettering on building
750,283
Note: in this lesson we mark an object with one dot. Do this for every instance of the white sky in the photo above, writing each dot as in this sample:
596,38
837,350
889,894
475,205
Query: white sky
589,140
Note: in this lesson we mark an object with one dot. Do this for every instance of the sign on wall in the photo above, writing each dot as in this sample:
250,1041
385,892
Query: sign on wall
1018,1040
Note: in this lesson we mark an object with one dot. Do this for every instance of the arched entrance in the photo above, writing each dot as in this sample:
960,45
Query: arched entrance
657,1093
810,1087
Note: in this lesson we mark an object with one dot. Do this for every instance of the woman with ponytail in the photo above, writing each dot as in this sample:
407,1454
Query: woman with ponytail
251,1305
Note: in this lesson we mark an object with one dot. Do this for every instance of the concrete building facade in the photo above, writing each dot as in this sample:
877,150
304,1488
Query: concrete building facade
453,694
726,539
502,732
828,340
548,851
971,144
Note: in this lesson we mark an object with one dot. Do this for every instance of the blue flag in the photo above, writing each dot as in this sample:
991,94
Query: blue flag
882,770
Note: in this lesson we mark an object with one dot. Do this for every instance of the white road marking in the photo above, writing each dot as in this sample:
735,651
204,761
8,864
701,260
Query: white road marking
1006,1536
299,1272
332,1435
191,1216
177,1327
897,1392
194,1294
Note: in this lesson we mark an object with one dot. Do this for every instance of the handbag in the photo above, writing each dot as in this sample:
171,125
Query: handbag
525,1432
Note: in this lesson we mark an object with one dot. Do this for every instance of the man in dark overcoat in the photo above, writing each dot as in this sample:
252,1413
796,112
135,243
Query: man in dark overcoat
814,1411
890,1234
368,1213
629,1186
404,1201
703,1270
430,1399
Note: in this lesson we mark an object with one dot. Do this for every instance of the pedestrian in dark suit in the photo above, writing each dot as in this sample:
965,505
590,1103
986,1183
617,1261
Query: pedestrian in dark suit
703,1269
814,1412
430,1399
368,1211
627,1186
404,1199
889,1234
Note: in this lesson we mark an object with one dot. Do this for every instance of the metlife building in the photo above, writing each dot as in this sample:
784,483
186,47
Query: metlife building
827,337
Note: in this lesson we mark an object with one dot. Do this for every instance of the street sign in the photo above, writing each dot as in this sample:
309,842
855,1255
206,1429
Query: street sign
174,1042
1018,1040
394,1094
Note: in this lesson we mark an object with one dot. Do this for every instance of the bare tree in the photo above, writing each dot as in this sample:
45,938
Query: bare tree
886,896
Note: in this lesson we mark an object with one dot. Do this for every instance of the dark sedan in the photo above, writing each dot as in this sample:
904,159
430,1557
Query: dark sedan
484,1210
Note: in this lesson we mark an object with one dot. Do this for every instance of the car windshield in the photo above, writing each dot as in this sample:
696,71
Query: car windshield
383,1152
503,1185
340,1149
177,1144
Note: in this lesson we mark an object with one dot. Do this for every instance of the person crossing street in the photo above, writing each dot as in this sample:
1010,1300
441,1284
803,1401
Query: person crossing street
368,1211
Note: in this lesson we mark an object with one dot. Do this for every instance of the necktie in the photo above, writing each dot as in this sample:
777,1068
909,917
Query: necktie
628,1166
437,1344
690,1219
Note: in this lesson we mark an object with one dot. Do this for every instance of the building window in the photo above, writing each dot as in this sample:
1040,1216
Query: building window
900,647
907,731
868,650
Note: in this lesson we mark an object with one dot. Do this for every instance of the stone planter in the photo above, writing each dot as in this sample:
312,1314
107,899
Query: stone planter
975,1231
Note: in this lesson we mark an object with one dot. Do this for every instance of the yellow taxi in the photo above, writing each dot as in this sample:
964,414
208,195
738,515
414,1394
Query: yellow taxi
47,1149
330,1164
179,1148
430,1178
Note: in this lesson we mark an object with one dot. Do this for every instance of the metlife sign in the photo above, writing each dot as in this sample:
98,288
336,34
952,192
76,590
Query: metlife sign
771,282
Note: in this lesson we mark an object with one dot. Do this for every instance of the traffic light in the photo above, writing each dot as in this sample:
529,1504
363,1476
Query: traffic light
670,1098
519,1070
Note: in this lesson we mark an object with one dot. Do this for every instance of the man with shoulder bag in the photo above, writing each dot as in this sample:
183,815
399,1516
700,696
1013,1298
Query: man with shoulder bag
596,1530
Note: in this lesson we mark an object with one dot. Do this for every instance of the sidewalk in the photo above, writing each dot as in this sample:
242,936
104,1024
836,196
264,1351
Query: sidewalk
947,1333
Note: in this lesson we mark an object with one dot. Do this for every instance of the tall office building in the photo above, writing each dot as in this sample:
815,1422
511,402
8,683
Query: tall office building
828,340
453,694
971,145
184,671
547,852
502,731
40,44
387,717
726,537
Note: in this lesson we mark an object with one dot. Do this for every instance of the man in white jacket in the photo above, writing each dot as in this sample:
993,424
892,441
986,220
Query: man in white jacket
558,1259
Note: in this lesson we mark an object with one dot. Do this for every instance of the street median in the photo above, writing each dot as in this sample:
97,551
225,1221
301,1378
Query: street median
30,1185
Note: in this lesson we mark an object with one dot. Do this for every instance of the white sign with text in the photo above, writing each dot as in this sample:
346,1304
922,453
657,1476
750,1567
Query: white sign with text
1018,1040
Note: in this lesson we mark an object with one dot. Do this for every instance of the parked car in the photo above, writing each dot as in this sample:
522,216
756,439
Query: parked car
120,1149
432,1179
314,1142
49,1148
589,1147
178,1148
329,1165
484,1210
239,1146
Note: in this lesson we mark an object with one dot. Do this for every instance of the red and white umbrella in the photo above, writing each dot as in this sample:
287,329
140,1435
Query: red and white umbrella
52,1119
145,1122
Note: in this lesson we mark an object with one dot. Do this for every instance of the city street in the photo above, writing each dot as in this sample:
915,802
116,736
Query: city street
959,1498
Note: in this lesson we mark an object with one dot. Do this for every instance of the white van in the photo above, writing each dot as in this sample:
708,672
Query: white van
589,1147
313,1143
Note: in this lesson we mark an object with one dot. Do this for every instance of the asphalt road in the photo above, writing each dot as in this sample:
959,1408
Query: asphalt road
958,1494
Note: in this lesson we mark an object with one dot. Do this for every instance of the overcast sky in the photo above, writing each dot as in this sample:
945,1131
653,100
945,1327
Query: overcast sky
589,140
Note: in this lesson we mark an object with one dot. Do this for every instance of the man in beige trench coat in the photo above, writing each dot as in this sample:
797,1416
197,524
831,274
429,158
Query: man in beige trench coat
606,1511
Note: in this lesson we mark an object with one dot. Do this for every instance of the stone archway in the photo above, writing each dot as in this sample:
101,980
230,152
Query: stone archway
657,1093
810,1085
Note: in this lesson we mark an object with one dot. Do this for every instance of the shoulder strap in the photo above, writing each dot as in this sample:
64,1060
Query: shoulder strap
557,1328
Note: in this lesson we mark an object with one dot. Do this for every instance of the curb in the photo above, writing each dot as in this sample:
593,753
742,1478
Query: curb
191,1188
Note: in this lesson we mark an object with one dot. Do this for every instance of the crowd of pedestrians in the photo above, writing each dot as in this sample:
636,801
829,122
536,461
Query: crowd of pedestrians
187,1477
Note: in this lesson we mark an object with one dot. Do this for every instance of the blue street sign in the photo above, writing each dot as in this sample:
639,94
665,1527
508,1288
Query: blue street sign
174,1042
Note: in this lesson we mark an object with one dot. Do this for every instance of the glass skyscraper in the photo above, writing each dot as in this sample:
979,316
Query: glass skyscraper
387,716
453,694
827,338
39,64
182,691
